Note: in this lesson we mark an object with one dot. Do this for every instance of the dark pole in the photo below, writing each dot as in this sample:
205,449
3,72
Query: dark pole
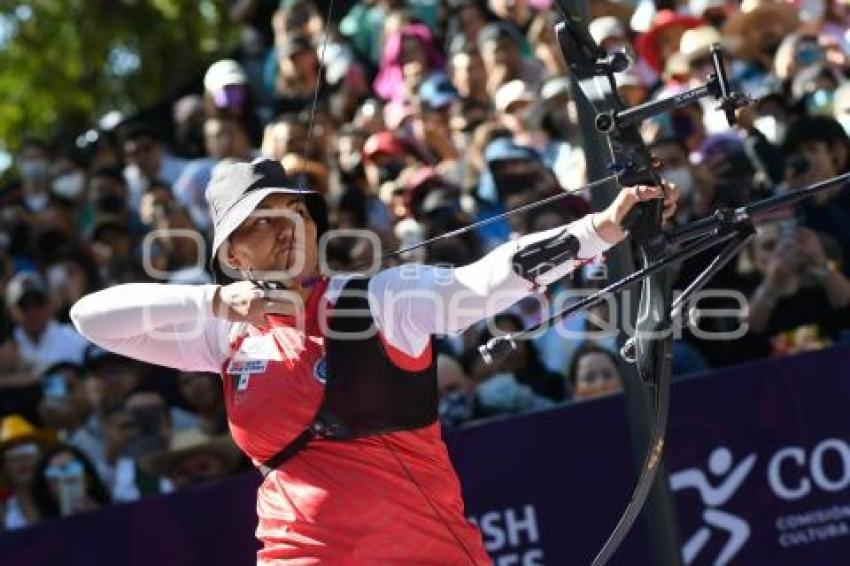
659,512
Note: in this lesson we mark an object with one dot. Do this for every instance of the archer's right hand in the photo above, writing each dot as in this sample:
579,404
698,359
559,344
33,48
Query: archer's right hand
244,301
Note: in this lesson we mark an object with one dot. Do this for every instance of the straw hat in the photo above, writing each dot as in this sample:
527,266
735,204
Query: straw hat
758,10
187,444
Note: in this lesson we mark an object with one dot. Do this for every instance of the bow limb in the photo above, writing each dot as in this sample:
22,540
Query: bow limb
592,69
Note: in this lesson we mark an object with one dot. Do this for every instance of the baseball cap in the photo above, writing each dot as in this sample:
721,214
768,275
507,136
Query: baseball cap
222,73
554,86
511,92
24,284
437,91
237,188
700,7
383,142
505,149
604,28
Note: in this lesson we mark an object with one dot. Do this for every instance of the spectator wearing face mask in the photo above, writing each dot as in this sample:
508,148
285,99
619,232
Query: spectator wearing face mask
66,483
33,162
456,392
68,183
21,444
498,393
522,366
764,125
694,200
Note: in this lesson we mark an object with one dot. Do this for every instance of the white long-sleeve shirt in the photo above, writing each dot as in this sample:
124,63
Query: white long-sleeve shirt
174,325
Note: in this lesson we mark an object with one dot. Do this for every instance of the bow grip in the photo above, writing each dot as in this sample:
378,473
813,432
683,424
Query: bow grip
644,219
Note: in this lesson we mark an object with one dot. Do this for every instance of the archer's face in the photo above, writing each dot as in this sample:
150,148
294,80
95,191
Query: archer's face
279,238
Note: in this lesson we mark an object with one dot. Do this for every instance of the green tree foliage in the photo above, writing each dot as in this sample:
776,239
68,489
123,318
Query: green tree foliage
63,63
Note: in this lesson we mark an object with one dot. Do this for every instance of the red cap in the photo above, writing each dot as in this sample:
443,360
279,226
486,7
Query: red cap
646,44
383,142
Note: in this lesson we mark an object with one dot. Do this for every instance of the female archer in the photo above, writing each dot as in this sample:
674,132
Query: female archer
330,382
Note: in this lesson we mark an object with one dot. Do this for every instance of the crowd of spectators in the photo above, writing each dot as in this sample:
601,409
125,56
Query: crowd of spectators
428,115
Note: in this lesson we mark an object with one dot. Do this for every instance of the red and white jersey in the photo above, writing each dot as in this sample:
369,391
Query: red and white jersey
386,499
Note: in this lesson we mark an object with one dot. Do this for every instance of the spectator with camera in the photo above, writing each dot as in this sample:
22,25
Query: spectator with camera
66,483
823,145
800,285
137,428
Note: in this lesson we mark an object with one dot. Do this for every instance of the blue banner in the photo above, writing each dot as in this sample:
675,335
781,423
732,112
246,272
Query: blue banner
758,458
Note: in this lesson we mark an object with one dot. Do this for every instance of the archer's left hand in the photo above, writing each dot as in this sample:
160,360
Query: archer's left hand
609,222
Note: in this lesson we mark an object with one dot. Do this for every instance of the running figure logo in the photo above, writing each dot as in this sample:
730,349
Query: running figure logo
719,464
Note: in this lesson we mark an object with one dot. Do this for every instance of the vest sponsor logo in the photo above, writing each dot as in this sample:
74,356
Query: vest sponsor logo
247,366
245,369
320,370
